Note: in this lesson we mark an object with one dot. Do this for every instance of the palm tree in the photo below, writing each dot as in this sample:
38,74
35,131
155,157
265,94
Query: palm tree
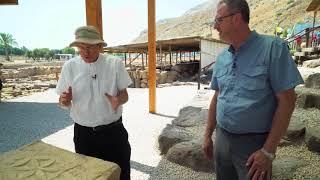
7,41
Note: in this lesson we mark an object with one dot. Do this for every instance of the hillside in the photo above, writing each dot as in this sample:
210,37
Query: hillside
265,16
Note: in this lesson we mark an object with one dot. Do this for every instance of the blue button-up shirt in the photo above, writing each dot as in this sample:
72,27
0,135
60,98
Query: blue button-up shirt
249,79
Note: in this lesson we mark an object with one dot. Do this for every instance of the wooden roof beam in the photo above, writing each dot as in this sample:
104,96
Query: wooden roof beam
314,5
8,2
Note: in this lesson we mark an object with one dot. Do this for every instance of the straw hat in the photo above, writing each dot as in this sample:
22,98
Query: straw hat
87,35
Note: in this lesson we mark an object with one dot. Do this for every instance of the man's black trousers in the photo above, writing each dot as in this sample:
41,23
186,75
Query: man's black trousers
109,142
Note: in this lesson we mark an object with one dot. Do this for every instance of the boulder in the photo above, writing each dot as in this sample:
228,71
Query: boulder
170,136
191,116
190,154
313,81
295,129
313,138
284,168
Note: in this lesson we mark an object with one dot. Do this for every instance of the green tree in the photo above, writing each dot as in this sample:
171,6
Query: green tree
68,50
28,54
36,54
7,41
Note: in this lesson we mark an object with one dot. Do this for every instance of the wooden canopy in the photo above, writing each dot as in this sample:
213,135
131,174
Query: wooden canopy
314,6
8,2
176,44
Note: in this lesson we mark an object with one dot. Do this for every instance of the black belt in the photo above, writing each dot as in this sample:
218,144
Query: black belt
102,127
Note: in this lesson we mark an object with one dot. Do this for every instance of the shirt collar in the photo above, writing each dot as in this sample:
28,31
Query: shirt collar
93,63
253,35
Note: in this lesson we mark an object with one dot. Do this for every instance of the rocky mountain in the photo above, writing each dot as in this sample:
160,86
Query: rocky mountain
265,16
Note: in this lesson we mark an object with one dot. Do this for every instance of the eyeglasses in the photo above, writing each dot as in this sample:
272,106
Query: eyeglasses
219,20
88,48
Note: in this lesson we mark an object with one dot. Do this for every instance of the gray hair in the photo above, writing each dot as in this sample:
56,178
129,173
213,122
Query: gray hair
238,6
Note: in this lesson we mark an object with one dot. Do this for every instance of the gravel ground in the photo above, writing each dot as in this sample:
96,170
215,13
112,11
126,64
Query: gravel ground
43,119
26,119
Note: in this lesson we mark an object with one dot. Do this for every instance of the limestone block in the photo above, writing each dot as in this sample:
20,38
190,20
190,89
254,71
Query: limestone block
39,160
145,81
144,74
137,83
172,76
138,74
163,77
143,85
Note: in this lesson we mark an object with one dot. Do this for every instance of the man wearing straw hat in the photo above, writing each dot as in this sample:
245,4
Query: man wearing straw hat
93,86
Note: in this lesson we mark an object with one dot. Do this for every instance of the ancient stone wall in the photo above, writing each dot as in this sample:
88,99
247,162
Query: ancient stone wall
140,77
27,80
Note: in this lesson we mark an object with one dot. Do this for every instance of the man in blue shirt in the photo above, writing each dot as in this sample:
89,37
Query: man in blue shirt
254,81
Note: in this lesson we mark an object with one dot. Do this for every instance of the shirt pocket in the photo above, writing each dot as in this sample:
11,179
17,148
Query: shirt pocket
221,76
254,79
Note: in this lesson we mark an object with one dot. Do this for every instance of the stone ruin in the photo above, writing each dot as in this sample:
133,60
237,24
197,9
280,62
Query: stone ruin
22,81
179,72
25,79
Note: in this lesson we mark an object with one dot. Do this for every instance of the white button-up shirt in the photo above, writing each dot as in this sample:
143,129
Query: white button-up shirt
89,83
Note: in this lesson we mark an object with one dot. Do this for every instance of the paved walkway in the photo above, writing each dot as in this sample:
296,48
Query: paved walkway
38,117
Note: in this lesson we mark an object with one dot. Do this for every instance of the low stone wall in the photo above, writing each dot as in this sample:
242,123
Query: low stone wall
29,71
27,80
140,77
187,70
24,79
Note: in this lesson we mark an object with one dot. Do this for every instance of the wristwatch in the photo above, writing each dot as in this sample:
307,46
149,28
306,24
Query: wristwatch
270,156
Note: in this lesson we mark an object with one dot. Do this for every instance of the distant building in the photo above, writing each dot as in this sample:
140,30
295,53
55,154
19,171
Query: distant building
63,56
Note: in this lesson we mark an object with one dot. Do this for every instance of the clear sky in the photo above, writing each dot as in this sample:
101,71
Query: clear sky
51,23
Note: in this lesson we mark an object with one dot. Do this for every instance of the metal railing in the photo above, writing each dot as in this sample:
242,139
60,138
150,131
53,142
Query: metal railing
306,33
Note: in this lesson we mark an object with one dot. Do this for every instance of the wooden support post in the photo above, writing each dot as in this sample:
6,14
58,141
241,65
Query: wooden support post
142,60
152,54
165,60
176,57
307,37
199,72
130,60
94,14
313,24
146,58
125,59
170,57
160,55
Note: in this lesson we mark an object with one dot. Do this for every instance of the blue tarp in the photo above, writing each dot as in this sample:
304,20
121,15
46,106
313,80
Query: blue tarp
301,26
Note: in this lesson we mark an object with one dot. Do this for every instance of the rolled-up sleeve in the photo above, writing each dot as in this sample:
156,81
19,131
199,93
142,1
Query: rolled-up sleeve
63,82
284,73
123,78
